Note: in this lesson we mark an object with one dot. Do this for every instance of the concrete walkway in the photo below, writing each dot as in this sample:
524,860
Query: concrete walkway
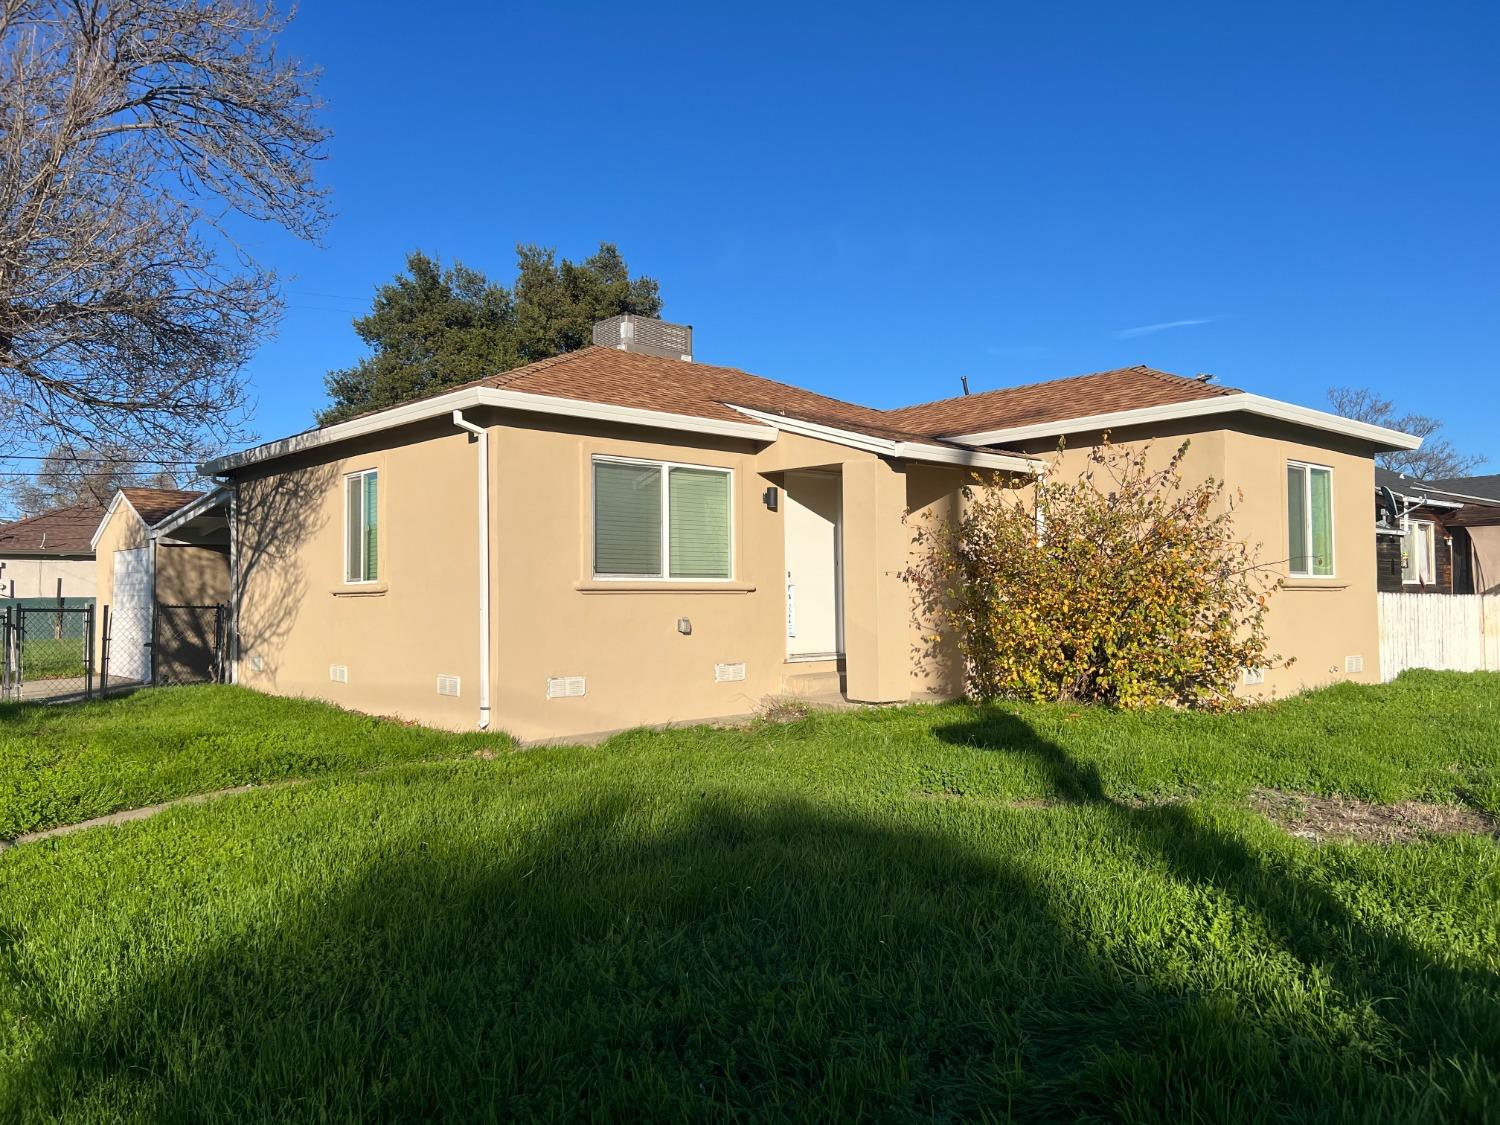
125,816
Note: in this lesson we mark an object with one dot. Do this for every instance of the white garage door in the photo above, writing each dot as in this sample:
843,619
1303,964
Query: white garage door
130,616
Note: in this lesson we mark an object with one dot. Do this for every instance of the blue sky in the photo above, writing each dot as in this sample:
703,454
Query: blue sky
874,201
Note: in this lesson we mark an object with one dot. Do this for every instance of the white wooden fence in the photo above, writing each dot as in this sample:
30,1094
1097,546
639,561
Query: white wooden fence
1460,632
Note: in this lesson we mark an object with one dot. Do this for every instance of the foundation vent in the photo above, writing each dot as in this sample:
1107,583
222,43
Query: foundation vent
729,673
1354,665
1254,676
338,673
565,687
448,685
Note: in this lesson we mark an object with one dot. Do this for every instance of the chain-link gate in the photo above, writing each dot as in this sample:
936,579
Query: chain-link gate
188,646
47,652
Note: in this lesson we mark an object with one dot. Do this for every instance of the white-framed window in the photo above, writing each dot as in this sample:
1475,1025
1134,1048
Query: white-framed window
1309,519
1419,553
662,519
362,527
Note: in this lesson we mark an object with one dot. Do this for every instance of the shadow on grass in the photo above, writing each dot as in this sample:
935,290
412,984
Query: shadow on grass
782,959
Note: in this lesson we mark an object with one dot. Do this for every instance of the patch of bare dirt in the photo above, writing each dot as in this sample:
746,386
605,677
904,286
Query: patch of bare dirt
1344,818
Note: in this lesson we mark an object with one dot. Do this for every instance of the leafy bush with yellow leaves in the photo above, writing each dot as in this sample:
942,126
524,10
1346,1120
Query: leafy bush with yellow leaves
1123,586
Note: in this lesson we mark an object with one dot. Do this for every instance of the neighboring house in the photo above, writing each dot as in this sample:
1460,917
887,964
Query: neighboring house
1475,530
49,555
619,536
1415,548
154,547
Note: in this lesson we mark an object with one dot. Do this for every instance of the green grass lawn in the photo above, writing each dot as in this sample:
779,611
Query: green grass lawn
928,912
49,658
60,765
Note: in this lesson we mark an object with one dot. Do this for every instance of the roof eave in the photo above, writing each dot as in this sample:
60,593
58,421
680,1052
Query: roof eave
114,503
472,397
189,511
905,450
1381,438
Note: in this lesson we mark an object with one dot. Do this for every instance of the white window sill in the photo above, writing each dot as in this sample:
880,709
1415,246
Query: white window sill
663,586
1303,583
360,590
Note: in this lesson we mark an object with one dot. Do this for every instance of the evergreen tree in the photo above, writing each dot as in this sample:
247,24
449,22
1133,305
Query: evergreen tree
432,328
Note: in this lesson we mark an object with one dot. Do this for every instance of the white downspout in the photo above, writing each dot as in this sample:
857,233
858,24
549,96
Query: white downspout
484,563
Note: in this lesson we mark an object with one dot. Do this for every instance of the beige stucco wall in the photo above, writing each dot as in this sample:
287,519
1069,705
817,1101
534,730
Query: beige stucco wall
191,575
39,577
297,615
550,617
1319,621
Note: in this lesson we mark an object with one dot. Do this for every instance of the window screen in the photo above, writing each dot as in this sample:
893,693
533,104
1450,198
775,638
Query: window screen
698,501
627,519
362,527
1309,491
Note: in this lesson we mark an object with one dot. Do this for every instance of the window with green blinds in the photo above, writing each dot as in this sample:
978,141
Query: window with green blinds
362,527
1309,492
627,519
655,520
698,500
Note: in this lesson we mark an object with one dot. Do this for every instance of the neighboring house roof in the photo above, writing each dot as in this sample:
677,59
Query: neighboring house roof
152,505
155,504
1103,392
1399,483
62,531
1475,488
610,384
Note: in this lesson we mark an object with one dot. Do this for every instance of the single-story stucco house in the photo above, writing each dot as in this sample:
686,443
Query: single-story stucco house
620,536
49,555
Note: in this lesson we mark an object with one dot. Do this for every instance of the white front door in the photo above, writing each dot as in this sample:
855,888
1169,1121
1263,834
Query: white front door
130,616
814,613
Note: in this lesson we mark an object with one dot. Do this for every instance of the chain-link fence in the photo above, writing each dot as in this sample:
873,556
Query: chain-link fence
60,652
124,649
48,651
189,644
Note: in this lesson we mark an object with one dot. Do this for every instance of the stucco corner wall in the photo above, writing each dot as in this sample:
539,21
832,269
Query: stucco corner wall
191,575
299,619
1328,626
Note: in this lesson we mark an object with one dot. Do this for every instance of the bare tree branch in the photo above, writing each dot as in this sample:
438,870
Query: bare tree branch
1436,459
129,130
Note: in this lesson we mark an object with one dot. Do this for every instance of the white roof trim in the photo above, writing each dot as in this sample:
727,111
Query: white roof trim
472,397
1379,436
1422,500
908,450
1465,498
189,511
108,512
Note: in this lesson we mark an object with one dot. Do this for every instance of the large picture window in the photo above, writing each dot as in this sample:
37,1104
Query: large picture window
655,519
1309,508
362,527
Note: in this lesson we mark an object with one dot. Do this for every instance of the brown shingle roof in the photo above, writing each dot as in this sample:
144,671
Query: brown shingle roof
1128,388
699,390
62,531
156,504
